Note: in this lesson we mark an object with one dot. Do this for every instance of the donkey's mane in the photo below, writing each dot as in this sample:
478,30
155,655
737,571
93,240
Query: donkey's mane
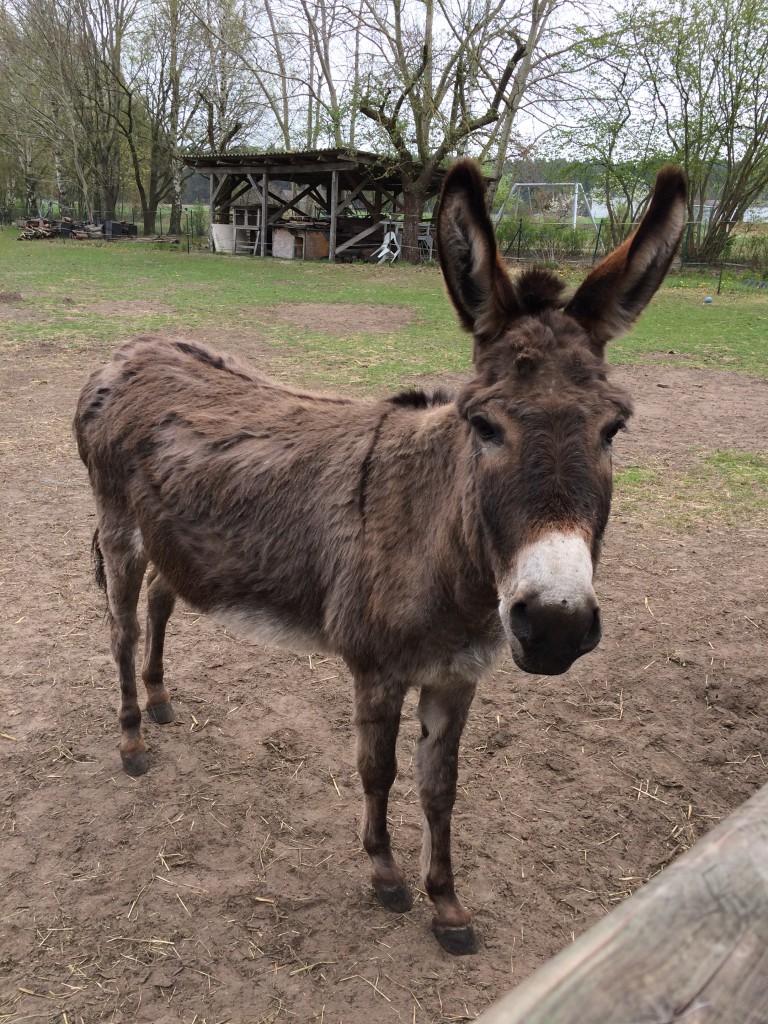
538,288
419,399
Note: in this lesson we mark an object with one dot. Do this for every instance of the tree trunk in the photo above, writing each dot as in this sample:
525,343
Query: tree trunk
176,210
30,196
108,202
715,243
61,187
414,198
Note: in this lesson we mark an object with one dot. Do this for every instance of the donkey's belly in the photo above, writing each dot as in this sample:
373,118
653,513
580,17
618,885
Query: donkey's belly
266,626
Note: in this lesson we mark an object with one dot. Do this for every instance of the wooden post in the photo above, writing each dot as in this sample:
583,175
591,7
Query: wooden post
211,190
334,215
692,946
264,211
597,239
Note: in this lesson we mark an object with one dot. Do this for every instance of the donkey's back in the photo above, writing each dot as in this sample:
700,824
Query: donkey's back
267,506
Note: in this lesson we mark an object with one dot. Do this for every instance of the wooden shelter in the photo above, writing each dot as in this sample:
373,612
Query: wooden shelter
321,203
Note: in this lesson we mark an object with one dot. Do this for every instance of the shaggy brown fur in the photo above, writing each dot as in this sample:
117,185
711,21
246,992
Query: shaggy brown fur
386,531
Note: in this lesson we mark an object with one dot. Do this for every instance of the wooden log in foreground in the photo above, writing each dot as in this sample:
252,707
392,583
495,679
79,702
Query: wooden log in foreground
691,946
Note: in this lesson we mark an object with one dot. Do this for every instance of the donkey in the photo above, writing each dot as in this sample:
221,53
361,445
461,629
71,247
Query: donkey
411,535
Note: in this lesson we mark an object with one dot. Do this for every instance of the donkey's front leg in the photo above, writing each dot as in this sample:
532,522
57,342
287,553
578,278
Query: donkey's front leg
377,720
443,714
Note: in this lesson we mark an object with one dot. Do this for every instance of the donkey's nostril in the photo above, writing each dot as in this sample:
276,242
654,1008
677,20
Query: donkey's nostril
519,620
591,638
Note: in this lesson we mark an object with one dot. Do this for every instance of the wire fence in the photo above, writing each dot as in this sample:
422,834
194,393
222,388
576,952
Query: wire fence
528,241
521,239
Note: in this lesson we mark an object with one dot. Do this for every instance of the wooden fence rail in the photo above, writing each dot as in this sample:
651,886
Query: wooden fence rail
691,946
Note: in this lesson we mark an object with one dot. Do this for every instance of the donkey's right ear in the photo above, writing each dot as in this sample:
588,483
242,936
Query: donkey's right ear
478,285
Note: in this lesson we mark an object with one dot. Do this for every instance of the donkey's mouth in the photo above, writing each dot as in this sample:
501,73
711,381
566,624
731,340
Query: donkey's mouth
554,652
544,663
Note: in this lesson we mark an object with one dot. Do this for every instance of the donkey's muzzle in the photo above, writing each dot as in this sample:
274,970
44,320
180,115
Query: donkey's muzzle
548,638
548,607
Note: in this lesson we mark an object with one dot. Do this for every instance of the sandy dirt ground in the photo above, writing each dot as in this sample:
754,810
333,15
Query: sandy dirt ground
229,884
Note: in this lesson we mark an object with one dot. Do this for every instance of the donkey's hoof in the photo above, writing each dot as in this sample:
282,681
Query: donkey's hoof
163,714
135,764
396,898
457,941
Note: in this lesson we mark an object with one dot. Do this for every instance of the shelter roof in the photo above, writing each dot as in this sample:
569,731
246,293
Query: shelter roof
305,166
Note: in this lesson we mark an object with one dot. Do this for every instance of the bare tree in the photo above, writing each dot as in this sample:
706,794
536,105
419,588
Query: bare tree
25,142
615,128
684,82
90,69
444,71
707,64
37,100
159,81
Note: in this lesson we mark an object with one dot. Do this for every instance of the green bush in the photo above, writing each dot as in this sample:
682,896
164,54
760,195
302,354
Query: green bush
751,248
545,242
198,220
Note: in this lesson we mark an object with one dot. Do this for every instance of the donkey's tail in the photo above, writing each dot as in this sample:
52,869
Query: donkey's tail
98,562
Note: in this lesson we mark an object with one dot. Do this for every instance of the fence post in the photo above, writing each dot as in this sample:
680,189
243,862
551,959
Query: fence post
519,237
597,240
685,243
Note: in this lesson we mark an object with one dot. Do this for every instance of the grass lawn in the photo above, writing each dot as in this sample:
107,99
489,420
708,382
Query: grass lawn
71,285
730,333
77,293
730,487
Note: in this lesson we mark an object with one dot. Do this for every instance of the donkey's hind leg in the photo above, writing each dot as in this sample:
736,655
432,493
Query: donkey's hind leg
123,564
160,602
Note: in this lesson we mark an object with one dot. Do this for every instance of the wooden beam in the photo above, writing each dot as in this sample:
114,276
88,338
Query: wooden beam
319,198
334,215
211,185
255,186
220,188
239,190
358,237
370,207
691,946
280,171
264,211
355,194
285,206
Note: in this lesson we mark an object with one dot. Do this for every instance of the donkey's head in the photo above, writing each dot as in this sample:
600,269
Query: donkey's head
540,413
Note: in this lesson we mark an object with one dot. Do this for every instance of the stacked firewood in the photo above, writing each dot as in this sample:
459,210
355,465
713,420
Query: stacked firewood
40,227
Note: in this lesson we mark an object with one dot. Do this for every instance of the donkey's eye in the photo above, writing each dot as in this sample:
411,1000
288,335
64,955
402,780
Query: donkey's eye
610,432
485,430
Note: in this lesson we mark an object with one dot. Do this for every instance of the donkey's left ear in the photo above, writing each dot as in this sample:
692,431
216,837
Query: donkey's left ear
478,285
622,285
